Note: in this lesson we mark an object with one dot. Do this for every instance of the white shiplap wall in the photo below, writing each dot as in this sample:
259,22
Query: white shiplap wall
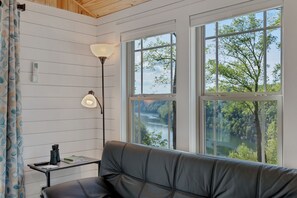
59,42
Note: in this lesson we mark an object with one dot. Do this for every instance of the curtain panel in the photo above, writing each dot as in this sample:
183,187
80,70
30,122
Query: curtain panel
11,144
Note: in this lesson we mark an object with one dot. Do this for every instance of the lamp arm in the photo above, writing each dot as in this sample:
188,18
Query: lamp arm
101,108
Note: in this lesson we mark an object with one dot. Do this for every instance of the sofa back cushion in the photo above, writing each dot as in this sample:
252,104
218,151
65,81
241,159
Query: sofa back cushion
141,171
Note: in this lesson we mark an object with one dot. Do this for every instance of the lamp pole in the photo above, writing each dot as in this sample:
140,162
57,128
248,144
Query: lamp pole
102,60
102,51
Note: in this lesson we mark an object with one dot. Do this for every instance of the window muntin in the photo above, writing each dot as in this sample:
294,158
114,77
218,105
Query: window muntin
261,62
154,65
153,87
241,95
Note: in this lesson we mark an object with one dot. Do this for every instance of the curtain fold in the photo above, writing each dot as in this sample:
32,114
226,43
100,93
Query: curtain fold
11,144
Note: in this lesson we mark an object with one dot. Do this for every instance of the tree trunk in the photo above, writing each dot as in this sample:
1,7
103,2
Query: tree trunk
258,130
174,125
174,112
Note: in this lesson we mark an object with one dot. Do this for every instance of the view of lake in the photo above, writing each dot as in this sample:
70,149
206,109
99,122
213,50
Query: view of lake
154,124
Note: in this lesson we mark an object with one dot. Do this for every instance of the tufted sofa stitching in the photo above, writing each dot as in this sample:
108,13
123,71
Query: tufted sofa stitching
289,181
121,165
83,189
173,189
212,180
174,177
144,180
258,184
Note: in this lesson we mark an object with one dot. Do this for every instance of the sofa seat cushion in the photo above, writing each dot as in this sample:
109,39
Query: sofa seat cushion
89,187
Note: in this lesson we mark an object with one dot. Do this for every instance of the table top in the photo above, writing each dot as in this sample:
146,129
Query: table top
83,160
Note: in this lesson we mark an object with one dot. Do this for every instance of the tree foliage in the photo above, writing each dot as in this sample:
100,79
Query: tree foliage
243,152
154,139
159,58
241,70
150,138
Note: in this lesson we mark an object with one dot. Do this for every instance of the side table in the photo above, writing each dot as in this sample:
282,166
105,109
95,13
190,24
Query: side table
63,165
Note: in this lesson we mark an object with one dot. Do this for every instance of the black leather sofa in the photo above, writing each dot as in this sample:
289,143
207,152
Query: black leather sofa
130,171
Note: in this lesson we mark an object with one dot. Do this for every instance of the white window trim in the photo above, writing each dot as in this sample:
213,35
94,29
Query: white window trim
233,11
156,29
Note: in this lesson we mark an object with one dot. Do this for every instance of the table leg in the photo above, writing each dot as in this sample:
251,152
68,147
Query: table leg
99,163
48,179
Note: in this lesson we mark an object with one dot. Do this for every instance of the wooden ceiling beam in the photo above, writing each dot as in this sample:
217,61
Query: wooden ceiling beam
112,8
101,4
92,2
85,9
94,8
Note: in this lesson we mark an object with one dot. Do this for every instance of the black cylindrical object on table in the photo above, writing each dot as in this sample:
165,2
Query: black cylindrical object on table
56,148
53,160
58,155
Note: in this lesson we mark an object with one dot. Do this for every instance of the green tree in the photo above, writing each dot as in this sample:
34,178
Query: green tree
241,69
154,139
145,137
161,53
271,145
244,153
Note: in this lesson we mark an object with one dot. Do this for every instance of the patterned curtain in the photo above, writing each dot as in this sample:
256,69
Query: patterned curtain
11,144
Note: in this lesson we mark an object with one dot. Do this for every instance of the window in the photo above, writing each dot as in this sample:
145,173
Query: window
152,106
242,89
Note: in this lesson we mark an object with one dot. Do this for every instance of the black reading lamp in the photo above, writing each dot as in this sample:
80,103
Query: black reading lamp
102,51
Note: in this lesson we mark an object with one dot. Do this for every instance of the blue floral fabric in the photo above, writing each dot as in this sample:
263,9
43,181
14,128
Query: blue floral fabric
11,143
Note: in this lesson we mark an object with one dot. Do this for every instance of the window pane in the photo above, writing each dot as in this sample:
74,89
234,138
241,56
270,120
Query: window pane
210,65
137,44
274,60
241,63
137,129
154,123
155,41
173,38
235,129
242,23
157,71
137,73
210,30
274,17
270,128
173,69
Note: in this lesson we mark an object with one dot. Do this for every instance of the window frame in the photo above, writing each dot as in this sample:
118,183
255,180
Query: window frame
203,96
131,96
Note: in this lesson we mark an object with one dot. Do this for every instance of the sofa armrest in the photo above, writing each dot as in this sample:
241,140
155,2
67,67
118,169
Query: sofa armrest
89,187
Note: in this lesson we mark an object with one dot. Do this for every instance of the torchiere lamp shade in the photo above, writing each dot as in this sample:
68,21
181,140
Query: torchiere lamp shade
102,50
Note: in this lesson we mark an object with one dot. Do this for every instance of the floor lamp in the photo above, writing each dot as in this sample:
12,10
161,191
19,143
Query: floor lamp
102,51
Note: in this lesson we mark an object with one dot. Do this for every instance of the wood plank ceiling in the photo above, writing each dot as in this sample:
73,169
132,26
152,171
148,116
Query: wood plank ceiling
94,8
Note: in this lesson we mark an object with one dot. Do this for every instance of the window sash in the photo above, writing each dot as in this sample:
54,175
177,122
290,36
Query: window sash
203,96
132,51
279,99
132,97
201,36
131,112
